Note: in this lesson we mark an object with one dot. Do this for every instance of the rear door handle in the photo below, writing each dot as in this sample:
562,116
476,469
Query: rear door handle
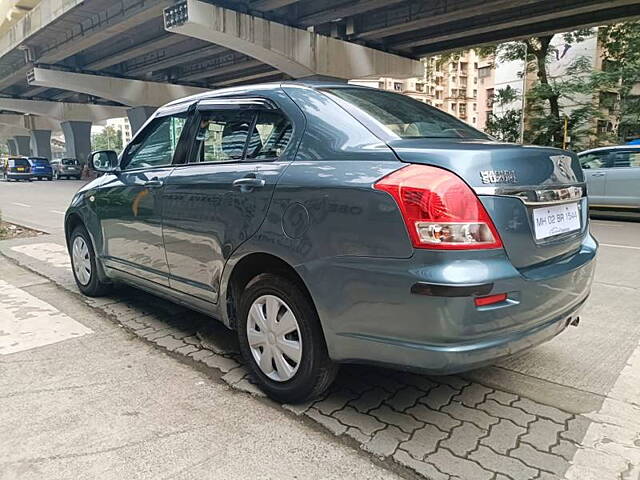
598,174
153,183
248,183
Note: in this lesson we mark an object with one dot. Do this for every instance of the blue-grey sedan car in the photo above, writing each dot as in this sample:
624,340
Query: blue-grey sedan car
331,224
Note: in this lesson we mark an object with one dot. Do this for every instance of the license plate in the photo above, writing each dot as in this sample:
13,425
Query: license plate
20,169
556,220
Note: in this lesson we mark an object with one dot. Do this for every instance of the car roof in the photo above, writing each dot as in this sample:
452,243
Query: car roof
611,147
257,88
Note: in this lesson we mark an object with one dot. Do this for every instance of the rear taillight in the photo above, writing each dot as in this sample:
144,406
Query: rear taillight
439,209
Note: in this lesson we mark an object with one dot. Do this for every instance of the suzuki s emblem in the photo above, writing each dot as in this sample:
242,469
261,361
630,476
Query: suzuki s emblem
562,171
498,176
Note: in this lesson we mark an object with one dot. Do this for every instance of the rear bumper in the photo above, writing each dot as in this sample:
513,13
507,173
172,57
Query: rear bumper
372,316
19,175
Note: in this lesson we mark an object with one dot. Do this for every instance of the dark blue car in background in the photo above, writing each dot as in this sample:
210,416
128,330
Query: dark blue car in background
334,224
40,168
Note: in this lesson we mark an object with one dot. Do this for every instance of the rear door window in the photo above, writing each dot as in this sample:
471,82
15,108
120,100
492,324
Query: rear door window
222,136
626,159
594,160
270,136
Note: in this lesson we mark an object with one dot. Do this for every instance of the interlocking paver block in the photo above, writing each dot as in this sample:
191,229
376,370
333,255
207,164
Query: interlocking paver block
447,462
512,467
441,420
371,399
455,382
542,434
169,343
420,382
224,364
540,410
335,401
503,436
187,349
516,415
406,423
576,429
425,469
386,441
439,396
389,383
192,340
463,439
565,449
365,423
330,423
544,461
201,354
423,441
502,397
405,398
245,385
358,435
298,408
472,395
473,415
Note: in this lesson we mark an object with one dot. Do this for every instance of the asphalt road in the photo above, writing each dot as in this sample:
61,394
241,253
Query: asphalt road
38,204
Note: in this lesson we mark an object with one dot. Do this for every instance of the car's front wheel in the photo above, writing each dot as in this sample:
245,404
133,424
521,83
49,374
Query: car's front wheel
282,341
83,263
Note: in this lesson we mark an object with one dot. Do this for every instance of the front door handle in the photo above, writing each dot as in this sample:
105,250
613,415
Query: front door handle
154,183
246,184
598,174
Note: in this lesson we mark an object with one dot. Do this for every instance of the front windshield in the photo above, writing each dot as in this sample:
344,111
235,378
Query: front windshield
69,161
404,116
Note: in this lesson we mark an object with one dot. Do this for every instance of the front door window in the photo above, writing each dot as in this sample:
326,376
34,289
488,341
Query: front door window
157,143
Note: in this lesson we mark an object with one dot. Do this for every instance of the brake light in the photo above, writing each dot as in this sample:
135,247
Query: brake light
439,209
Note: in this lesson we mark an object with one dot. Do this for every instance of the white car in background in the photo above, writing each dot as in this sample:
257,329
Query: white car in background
613,176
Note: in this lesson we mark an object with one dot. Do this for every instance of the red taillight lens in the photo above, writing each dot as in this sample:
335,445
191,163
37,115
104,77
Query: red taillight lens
439,209
490,300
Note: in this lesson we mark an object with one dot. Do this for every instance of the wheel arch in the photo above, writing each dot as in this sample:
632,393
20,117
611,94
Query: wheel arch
247,268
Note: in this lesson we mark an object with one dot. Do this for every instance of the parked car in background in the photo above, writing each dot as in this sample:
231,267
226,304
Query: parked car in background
16,168
66,168
330,224
613,176
40,168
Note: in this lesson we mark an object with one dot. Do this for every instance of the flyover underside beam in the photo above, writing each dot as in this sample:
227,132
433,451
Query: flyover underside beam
135,93
517,30
63,111
295,52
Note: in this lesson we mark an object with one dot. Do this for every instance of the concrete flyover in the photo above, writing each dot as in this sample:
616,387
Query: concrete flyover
128,57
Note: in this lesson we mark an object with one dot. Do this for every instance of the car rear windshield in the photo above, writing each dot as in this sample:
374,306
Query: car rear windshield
40,161
19,162
68,161
404,116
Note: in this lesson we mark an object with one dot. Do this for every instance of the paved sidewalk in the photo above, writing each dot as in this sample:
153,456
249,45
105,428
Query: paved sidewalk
93,401
491,424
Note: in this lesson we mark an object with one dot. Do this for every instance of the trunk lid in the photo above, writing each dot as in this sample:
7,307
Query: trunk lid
535,196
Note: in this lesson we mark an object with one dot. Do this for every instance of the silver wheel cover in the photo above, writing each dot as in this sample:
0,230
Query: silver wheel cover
274,338
81,261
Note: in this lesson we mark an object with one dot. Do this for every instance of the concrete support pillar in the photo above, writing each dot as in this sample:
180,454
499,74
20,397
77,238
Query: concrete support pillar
23,143
137,116
77,138
41,143
12,146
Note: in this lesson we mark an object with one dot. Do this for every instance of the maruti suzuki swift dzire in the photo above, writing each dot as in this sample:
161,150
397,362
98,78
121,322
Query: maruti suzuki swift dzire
329,223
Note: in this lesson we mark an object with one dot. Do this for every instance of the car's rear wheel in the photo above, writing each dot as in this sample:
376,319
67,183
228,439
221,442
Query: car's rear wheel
282,341
83,263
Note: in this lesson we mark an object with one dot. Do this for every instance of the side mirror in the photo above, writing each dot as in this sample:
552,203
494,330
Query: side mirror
104,161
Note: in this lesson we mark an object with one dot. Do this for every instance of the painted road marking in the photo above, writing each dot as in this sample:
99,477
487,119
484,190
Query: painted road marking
57,211
52,253
21,204
27,322
618,246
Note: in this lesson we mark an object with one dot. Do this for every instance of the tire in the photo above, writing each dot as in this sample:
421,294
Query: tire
49,178
90,284
314,371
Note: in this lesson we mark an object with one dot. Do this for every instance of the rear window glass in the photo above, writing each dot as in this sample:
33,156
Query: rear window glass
404,116
39,161
68,161
19,162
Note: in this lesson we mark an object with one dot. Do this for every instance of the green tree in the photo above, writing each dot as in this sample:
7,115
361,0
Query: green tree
108,139
505,125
